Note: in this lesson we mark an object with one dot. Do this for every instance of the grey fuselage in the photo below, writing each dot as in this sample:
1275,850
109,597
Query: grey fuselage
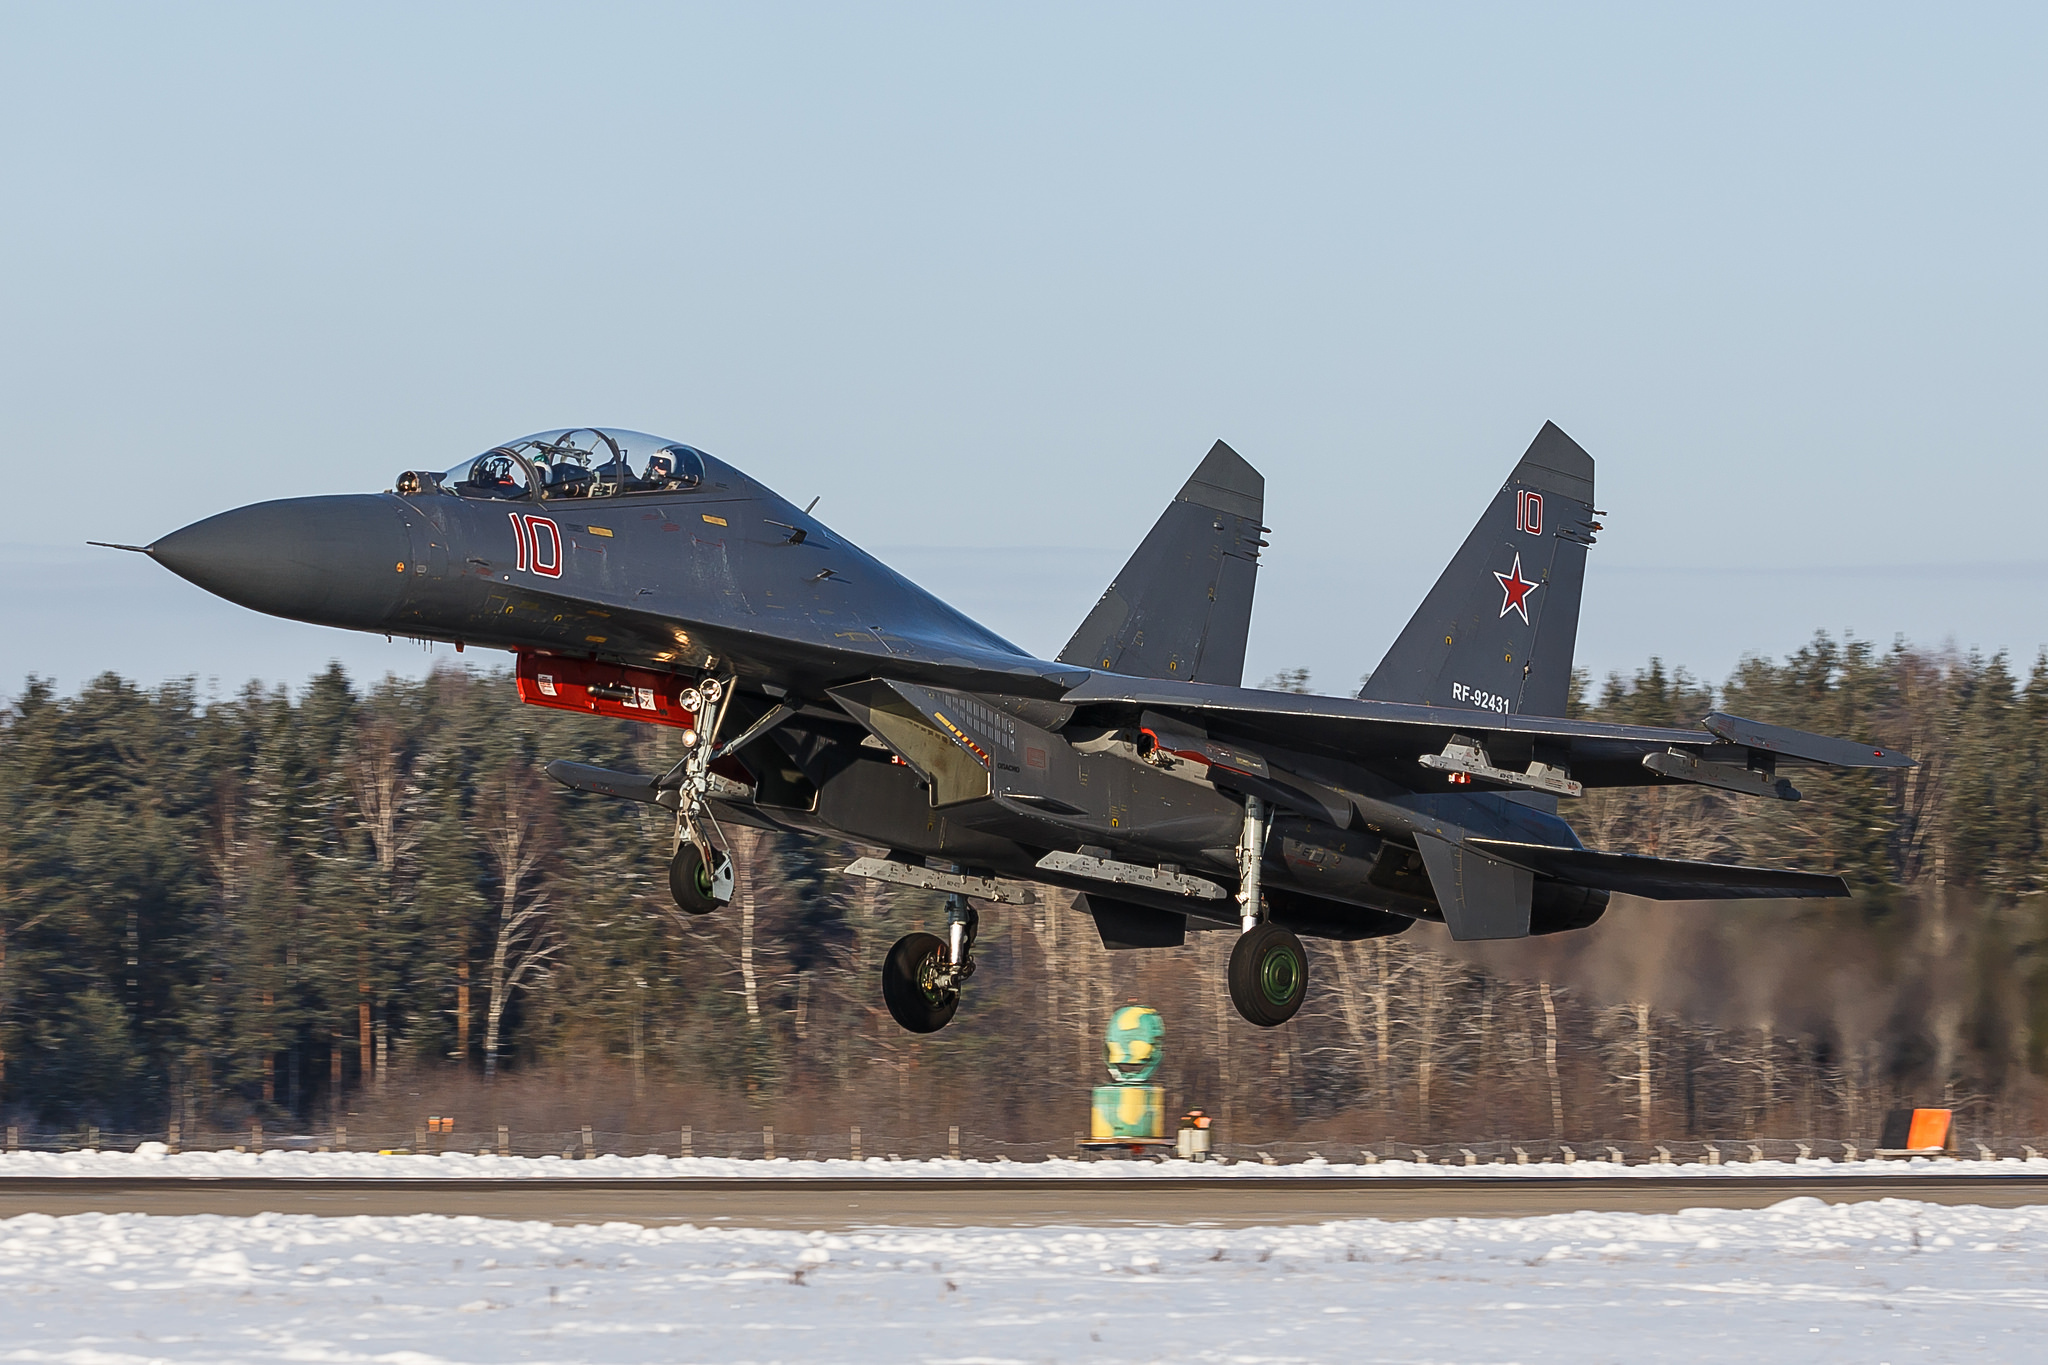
730,578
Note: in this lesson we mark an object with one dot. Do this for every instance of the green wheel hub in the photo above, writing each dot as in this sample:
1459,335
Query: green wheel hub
1279,975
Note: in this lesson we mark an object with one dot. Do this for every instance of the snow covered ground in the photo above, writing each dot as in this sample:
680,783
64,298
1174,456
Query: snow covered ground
154,1159
1890,1281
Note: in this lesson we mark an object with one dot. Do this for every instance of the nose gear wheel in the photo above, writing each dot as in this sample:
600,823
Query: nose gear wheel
700,876
699,884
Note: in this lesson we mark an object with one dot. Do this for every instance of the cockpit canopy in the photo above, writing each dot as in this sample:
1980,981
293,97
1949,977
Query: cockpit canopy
573,462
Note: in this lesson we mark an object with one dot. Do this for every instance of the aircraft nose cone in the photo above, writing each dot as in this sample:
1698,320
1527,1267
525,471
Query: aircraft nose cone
334,561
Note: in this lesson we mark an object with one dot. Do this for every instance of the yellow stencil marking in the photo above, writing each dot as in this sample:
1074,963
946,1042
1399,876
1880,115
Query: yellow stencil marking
715,521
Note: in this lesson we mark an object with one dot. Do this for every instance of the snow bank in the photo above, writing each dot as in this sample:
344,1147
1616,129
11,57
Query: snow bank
1801,1281
154,1159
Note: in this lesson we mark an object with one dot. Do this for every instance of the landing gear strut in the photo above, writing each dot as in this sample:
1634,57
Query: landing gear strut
1268,966
700,877
922,976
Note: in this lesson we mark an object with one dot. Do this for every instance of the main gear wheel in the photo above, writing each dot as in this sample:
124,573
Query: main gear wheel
1268,974
917,983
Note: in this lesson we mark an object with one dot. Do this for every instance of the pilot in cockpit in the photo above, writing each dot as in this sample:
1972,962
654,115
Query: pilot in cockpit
661,468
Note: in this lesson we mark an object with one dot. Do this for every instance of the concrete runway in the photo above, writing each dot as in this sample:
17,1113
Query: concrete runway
845,1204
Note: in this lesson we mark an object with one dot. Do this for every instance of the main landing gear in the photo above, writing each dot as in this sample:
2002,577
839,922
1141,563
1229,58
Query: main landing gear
700,877
1268,966
922,976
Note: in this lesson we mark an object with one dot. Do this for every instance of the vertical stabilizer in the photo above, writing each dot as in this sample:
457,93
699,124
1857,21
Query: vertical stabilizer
1497,631
1182,606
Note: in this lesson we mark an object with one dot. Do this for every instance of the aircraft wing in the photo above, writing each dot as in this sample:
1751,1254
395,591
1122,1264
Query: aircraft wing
1423,746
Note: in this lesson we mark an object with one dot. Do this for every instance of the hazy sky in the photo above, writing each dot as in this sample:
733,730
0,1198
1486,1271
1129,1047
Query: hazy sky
990,279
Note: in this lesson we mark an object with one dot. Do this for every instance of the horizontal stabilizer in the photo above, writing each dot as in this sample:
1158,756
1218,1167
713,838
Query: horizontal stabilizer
1798,744
1659,879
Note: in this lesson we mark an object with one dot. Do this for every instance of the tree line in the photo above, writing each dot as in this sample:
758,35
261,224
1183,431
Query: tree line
361,903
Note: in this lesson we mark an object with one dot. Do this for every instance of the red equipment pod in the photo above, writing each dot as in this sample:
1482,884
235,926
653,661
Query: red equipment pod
602,689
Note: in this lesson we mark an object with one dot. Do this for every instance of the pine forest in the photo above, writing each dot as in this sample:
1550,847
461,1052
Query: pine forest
353,908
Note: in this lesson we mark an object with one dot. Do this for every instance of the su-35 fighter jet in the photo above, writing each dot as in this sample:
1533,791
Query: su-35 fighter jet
817,691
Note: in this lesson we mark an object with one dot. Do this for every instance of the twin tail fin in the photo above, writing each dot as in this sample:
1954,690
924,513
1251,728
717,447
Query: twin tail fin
1497,631
1181,607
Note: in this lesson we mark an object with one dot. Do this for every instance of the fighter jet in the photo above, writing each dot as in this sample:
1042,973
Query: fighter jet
816,691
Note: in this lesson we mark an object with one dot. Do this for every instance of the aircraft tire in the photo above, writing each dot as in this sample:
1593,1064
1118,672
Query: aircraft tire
908,989
1268,974
689,881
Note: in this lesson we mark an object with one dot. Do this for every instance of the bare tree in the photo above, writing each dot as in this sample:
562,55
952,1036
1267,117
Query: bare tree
381,780
524,944
1550,1060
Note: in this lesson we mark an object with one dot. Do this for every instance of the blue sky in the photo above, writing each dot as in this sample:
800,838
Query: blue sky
989,280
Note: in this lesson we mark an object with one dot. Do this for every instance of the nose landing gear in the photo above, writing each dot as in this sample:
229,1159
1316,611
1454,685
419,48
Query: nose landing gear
699,885
700,877
922,976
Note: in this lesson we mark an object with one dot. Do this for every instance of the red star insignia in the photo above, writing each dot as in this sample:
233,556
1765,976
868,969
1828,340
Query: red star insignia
1515,590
